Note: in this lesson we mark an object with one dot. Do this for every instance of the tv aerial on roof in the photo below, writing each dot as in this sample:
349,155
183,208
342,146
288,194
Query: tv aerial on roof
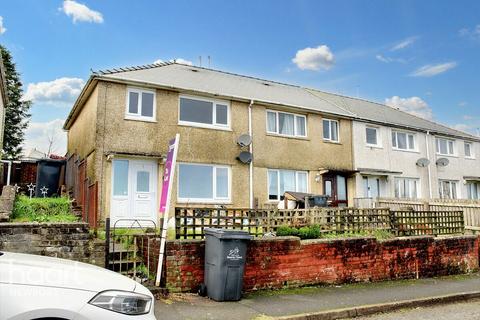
423,162
244,140
442,162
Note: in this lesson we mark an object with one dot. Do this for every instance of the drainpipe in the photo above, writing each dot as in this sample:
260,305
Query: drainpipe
428,166
250,149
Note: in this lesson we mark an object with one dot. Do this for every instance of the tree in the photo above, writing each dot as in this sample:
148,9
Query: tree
16,110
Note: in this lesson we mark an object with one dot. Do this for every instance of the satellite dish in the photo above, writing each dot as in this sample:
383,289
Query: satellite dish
245,157
423,162
442,162
244,140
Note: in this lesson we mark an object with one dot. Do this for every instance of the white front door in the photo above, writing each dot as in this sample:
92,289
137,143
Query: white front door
134,191
371,186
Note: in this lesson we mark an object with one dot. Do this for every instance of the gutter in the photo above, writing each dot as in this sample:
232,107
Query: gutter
250,149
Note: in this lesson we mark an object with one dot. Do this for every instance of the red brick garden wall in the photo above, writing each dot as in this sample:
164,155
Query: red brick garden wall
274,263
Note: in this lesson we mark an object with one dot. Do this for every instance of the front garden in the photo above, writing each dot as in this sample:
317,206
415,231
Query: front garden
27,209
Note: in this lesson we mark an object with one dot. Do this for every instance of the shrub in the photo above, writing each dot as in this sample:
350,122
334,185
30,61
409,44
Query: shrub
307,232
287,231
42,210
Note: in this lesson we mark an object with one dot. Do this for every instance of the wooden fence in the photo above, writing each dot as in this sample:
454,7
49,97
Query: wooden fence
470,208
190,223
81,189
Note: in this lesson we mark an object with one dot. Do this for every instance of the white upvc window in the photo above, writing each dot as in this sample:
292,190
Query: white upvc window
407,188
140,104
445,147
403,140
286,124
447,189
281,181
473,190
204,112
468,149
372,136
204,183
330,130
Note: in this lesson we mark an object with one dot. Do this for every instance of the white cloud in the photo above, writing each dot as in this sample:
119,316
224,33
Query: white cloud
404,43
473,33
39,134
177,60
314,58
388,59
412,105
430,70
80,12
463,127
2,28
59,92
467,117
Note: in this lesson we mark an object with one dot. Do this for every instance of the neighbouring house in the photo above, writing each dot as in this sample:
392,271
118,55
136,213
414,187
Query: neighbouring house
303,140
399,155
121,123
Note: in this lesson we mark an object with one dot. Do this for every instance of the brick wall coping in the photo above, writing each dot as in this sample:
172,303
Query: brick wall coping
43,224
333,240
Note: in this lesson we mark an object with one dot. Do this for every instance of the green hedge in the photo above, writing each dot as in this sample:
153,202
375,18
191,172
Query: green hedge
42,210
313,232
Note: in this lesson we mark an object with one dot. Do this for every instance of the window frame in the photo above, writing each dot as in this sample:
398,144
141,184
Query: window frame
469,185
377,131
297,172
138,116
214,199
407,140
396,180
451,183
472,153
214,124
277,124
437,147
330,131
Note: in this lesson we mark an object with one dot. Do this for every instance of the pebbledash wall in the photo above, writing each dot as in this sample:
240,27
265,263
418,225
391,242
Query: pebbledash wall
62,240
287,261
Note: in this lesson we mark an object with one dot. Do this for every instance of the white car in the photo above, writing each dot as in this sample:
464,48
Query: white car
36,287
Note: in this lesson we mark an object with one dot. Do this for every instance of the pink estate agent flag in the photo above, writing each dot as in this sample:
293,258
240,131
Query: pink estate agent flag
168,173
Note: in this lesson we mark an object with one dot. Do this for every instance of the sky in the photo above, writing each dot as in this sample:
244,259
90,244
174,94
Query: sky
419,56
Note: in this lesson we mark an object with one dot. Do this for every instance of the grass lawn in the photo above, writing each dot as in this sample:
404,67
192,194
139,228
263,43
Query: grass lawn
42,210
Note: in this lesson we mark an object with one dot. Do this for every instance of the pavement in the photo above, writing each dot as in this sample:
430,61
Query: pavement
325,302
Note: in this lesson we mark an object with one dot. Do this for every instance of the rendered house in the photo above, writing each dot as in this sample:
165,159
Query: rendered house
303,140
399,155
123,119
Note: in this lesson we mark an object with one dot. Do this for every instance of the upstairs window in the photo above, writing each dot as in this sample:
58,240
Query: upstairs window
371,134
468,146
445,146
330,130
202,112
403,140
140,104
286,124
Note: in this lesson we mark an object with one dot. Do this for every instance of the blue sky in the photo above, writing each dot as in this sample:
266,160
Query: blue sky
421,56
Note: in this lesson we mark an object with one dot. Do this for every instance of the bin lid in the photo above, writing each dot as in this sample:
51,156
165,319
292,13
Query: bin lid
228,234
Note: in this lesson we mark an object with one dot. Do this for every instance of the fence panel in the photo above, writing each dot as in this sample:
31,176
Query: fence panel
413,223
470,208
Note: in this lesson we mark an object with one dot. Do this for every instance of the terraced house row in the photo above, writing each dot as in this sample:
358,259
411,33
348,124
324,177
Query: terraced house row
303,140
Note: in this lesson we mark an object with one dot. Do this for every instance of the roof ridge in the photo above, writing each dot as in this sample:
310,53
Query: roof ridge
394,108
133,68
